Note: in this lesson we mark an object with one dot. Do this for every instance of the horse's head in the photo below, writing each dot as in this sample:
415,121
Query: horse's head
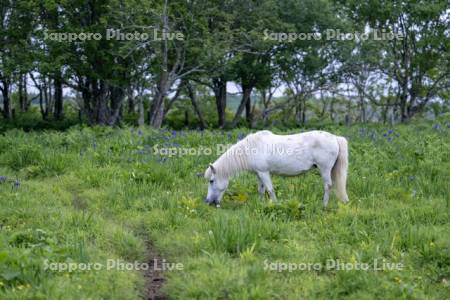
216,187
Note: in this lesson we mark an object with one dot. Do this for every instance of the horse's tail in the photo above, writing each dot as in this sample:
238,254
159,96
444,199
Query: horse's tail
339,171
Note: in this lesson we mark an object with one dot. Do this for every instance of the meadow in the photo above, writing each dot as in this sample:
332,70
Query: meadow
86,195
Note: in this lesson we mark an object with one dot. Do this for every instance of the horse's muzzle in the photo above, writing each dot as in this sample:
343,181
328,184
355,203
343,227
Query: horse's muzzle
209,202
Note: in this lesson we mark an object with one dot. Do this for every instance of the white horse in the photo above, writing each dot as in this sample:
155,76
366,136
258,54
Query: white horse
264,152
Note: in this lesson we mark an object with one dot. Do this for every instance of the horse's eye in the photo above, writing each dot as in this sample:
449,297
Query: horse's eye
211,181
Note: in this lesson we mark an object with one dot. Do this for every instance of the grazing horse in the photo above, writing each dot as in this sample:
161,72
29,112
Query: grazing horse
264,153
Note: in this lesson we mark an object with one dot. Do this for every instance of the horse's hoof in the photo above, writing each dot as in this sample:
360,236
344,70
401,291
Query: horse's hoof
218,205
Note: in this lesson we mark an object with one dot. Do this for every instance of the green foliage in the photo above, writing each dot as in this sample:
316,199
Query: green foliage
23,156
32,121
237,233
91,194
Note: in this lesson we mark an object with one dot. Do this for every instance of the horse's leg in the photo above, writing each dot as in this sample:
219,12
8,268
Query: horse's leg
326,176
261,188
267,182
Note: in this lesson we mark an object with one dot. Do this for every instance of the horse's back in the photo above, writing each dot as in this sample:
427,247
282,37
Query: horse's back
314,138
318,138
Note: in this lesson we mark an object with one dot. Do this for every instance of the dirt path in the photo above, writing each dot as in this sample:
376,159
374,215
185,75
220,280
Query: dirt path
153,278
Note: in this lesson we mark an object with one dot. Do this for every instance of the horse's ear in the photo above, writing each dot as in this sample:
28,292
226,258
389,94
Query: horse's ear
212,169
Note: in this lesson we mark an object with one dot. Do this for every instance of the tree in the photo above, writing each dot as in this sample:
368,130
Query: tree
308,65
361,71
253,66
173,57
418,57
15,27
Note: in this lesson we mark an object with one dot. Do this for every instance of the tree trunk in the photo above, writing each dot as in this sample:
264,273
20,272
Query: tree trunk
195,105
298,112
385,110
130,100
41,105
303,101
117,95
86,95
300,109
220,93
141,119
248,110
46,93
347,117
247,90
25,93
39,87
265,102
333,99
102,103
156,114
58,112
362,109
100,114
403,103
6,100
362,105
22,98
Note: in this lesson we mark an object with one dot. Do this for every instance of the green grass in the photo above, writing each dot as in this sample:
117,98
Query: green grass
88,195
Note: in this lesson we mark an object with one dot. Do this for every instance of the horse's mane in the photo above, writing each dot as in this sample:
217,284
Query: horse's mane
236,158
